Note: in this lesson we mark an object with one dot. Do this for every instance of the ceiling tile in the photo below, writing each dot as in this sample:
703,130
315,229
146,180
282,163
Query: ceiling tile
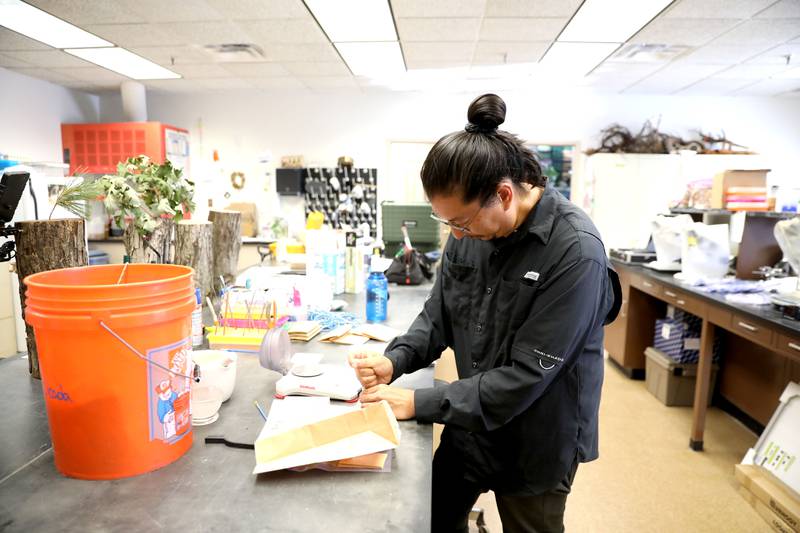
91,75
674,77
714,9
45,74
130,35
173,86
438,51
204,33
782,9
769,88
422,64
494,53
286,31
157,11
300,52
80,12
750,72
48,58
256,70
532,8
260,9
439,8
438,29
626,70
201,71
317,69
277,83
8,62
169,55
722,54
220,84
714,86
683,31
779,55
762,31
330,82
11,40
521,29
606,82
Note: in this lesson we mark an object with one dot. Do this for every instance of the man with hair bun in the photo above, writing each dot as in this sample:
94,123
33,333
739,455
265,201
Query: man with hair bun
522,295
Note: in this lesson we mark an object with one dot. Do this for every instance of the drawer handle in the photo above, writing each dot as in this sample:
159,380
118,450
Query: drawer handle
647,284
748,327
681,302
671,294
795,347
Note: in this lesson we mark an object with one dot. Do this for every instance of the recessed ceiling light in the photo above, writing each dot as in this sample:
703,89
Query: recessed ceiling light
610,21
372,59
44,27
354,20
124,62
576,59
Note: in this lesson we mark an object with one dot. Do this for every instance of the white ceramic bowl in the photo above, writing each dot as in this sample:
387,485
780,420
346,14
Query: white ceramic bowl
217,369
206,401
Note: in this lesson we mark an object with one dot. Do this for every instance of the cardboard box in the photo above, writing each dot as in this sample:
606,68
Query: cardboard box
735,178
771,491
764,512
249,217
672,383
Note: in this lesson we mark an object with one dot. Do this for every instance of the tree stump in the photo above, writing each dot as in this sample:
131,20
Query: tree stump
47,245
155,248
193,248
226,242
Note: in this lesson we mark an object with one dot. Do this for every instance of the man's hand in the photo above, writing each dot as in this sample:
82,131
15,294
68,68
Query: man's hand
400,400
371,368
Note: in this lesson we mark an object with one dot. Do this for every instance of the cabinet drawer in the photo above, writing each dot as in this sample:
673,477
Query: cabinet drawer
788,346
751,329
683,301
645,285
718,316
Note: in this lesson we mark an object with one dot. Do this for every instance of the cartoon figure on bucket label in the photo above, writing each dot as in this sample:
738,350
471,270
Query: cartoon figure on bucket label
179,366
166,409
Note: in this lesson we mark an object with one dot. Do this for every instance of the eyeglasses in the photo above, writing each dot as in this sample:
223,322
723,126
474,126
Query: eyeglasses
462,228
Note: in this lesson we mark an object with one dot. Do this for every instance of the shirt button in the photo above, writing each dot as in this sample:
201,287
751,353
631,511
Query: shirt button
488,290
479,327
474,364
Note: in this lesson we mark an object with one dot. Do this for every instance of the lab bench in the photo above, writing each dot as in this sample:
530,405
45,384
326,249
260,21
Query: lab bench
212,488
761,348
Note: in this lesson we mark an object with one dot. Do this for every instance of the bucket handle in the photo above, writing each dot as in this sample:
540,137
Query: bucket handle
195,371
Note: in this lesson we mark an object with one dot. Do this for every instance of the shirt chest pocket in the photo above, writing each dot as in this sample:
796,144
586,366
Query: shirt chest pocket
515,300
458,282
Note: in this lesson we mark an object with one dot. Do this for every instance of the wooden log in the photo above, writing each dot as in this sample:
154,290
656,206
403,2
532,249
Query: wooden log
154,248
193,248
47,245
226,242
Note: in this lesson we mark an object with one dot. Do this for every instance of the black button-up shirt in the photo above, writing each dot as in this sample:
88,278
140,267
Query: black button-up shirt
524,316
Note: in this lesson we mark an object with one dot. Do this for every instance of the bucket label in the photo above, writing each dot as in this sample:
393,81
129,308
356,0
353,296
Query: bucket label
169,391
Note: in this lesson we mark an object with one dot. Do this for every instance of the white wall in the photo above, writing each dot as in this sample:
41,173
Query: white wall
323,126
31,113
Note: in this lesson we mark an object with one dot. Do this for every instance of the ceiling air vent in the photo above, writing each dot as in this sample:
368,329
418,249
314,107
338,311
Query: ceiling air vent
649,53
234,52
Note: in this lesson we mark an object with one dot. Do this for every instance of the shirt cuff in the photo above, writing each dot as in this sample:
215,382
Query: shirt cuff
398,359
427,404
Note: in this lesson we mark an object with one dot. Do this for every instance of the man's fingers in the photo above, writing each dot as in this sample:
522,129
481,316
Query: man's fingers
371,394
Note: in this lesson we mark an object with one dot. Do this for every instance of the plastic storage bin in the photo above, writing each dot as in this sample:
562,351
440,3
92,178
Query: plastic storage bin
672,383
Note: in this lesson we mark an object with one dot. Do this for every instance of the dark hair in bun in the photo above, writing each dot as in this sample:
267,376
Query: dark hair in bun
473,161
485,114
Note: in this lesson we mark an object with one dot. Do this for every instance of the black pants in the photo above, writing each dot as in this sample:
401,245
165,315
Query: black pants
454,497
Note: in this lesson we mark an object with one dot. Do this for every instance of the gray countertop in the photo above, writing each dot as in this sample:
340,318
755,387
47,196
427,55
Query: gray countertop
211,488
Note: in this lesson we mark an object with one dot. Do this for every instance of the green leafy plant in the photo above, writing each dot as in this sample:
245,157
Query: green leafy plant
147,192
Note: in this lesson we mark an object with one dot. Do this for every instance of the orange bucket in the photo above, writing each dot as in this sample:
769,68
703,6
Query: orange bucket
116,364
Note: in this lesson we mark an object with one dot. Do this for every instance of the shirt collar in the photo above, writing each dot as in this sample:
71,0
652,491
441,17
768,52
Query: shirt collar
540,220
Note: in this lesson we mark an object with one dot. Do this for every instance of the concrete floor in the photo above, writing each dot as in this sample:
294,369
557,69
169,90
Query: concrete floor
647,478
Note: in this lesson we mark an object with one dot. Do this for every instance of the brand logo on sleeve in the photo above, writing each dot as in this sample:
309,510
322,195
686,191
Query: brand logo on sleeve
531,275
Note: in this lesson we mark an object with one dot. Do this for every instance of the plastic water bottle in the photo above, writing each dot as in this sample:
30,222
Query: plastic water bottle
197,320
377,296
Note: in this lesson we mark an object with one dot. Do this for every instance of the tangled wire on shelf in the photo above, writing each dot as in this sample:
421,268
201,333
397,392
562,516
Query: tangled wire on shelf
619,139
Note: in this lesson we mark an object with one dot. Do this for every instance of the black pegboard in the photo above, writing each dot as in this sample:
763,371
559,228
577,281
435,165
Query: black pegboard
321,195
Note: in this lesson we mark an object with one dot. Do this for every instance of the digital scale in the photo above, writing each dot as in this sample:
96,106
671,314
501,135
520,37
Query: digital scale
303,373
